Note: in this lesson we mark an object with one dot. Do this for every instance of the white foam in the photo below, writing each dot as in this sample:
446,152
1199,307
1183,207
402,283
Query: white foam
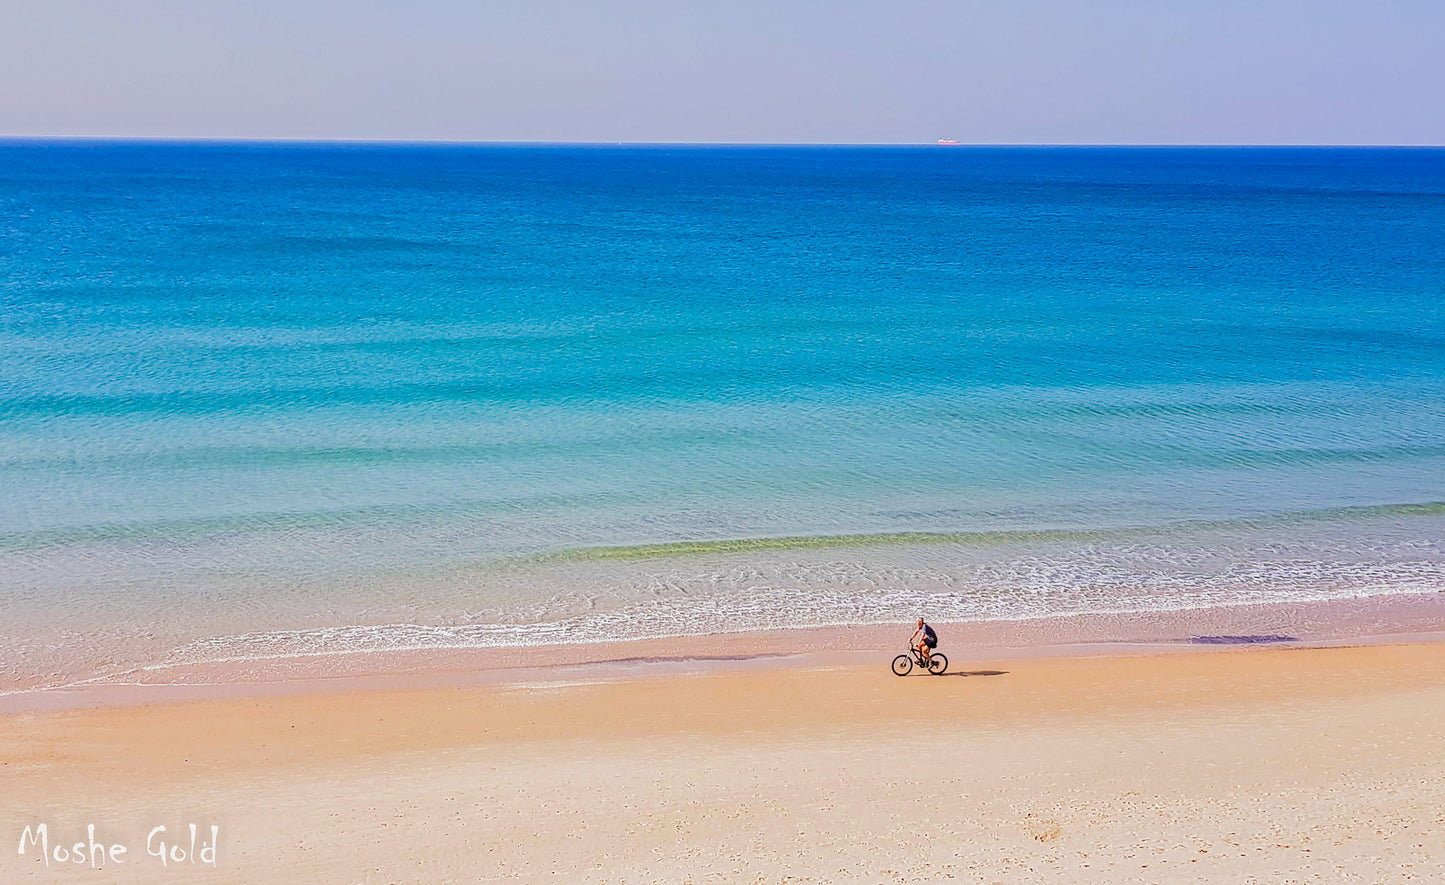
524,606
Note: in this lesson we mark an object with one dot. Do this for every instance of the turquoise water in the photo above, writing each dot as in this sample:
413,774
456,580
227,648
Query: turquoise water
264,390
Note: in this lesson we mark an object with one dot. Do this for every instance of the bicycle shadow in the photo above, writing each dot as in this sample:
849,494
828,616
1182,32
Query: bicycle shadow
975,673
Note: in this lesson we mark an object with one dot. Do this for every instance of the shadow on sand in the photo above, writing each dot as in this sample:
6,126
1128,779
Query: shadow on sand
975,673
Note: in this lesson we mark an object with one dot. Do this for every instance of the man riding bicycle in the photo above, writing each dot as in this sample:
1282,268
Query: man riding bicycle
924,641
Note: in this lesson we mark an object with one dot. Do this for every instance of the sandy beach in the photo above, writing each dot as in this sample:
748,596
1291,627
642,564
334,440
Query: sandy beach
1238,764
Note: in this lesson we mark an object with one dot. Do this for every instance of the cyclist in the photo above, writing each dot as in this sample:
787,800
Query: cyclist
924,640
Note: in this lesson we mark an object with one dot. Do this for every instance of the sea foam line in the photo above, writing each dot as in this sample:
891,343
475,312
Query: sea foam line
356,640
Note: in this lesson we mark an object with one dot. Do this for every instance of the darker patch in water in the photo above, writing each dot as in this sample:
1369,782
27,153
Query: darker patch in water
1259,639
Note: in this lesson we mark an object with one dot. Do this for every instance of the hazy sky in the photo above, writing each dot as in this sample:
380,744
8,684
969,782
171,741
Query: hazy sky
1009,71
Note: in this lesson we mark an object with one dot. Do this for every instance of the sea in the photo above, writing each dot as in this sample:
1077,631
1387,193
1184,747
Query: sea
261,400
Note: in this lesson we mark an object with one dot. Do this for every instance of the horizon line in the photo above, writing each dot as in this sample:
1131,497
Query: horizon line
941,144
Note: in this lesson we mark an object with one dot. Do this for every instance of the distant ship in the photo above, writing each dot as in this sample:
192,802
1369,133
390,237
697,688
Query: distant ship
948,141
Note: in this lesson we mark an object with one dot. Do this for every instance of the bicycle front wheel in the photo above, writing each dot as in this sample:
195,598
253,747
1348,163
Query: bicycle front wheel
902,665
937,663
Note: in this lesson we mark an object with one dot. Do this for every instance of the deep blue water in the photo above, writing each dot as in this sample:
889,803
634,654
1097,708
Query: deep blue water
261,360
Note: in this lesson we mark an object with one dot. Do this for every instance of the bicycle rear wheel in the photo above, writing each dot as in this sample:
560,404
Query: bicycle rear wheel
937,663
902,665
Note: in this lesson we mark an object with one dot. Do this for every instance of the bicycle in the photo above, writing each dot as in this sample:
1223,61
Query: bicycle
903,664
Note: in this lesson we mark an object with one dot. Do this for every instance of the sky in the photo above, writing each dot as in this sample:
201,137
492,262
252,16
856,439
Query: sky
768,71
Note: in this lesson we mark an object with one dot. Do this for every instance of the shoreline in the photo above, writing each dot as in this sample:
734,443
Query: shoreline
1310,577
1379,620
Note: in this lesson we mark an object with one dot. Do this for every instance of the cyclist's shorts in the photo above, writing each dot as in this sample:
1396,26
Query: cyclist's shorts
931,643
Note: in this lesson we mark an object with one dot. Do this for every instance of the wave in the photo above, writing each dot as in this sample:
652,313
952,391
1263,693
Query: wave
671,549
301,520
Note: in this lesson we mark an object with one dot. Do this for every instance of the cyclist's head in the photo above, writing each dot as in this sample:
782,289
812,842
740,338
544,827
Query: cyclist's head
920,622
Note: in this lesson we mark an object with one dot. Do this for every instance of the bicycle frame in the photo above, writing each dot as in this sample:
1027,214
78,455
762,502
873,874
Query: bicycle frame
914,658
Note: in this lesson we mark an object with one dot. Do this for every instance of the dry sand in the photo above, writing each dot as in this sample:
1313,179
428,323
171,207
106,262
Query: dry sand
1253,765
